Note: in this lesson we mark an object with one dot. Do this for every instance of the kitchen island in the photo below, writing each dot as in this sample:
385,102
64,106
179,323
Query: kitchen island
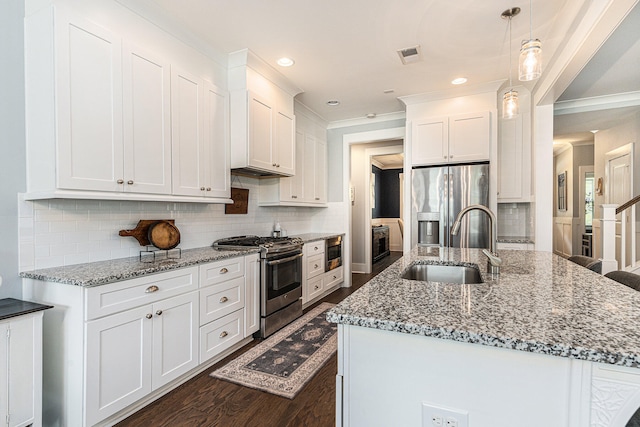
545,343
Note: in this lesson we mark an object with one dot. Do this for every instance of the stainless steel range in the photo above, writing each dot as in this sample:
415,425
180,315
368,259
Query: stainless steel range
280,278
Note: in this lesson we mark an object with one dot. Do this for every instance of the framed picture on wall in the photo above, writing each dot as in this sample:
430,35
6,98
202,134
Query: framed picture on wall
562,191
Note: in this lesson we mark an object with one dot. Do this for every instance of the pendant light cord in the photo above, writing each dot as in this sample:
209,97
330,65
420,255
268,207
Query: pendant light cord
510,82
530,20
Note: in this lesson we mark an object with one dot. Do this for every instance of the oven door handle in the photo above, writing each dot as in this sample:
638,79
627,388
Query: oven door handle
280,261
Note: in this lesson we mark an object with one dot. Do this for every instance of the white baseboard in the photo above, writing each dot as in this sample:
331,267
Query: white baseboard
358,267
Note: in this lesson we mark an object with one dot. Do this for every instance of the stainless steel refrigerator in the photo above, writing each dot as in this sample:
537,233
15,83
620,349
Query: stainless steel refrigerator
439,193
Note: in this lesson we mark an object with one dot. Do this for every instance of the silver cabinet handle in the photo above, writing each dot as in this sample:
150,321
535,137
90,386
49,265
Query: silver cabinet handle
444,157
223,334
159,312
201,188
315,248
280,261
149,316
120,181
274,165
277,166
151,289
208,188
130,182
451,157
334,277
294,197
316,287
317,198
315,266
224,299
223,270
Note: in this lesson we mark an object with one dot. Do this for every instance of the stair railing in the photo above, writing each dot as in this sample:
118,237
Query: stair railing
609,260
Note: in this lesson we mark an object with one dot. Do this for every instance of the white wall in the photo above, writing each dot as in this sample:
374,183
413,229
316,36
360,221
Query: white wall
12,138
64,232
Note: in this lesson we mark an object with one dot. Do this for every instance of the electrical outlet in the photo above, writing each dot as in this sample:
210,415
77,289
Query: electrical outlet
441,416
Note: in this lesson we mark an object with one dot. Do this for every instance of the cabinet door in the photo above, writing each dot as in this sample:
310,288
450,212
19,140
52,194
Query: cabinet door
4,380
309,171
118,362
429,141
216,137
510,160
260,132
147,122
292,189
315,287
187,146
23,360
320,194
284,144
89,106
175,338
252,295
469,137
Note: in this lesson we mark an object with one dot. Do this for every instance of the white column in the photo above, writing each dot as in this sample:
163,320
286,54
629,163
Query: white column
608,231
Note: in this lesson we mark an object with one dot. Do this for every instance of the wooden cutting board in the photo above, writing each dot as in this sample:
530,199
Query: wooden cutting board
141,232
164,235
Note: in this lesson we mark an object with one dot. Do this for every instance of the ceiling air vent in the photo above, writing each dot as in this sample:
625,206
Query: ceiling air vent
409,55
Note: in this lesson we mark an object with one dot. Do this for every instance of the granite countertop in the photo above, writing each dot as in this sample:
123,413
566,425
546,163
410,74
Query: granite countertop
540,303
103,272
11,307
514,239
312,237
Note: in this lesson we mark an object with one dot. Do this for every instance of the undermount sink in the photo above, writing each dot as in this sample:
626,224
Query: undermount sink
442,273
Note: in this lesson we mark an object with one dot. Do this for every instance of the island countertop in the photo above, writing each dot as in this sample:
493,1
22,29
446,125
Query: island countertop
539,303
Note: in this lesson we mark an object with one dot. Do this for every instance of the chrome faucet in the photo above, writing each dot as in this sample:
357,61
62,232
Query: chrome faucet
494,262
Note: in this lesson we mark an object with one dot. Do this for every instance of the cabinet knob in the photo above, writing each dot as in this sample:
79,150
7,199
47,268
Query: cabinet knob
223,334
274,165
444,157
335,277
316,266
294,197
224,270
451,157
224,299
317,198
201,188
315,248
151,289
277,166
208,188
159,312
130,182
316,287
149,316
120,181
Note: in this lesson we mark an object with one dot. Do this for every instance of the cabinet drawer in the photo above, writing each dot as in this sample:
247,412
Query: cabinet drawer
333,277
315,287
314,248
115,297
221,299
315,265
221,271
221,334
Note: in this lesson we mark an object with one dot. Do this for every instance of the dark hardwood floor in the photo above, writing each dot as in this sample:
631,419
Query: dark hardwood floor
207,401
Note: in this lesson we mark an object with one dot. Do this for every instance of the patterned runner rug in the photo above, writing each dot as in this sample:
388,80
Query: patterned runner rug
283,363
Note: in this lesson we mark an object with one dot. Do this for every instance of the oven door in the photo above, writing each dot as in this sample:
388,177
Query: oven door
333,253
281,281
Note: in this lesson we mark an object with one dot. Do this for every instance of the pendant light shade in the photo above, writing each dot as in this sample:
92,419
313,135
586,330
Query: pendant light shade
530,63
510,104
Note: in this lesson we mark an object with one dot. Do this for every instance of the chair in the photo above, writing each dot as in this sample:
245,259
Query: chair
401,225
587,262
629,279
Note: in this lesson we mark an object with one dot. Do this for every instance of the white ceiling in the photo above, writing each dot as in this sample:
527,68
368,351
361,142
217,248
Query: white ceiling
346,49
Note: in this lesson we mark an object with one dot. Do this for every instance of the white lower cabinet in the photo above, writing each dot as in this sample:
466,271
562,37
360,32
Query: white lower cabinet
317,283
21,370
109,348
132,353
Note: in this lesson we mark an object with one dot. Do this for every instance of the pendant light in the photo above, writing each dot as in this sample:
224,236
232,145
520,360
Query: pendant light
510,104
530,62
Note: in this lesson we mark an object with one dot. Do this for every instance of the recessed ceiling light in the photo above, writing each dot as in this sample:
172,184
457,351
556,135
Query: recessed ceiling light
333,102
459,81
285,62
388,91
371,116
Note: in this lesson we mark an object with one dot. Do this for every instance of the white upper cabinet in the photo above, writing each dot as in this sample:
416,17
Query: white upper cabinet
309,186
262,120
99,117
147,122
88,97
453,139
514,159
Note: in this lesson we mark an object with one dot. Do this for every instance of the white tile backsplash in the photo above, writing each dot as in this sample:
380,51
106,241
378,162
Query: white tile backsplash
63,231
514,220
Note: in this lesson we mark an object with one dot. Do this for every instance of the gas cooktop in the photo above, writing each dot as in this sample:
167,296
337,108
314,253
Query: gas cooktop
266,243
